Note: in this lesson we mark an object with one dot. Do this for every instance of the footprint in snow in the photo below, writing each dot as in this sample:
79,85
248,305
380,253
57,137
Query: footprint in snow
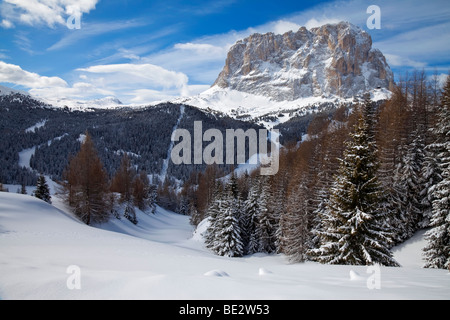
354,276
216,273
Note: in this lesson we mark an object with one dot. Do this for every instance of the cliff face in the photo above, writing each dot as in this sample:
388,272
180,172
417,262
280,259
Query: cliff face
332,60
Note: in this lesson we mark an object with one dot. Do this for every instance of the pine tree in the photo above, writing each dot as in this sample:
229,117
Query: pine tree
251,208
86,184
437,251
407,185
353,230
214,213
224,235
230,234
296,233
123,182
195,218
141,191
430,176
23,189
42,190
130,212
152,198
266,226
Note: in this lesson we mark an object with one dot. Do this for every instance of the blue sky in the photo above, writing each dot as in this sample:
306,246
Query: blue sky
142,51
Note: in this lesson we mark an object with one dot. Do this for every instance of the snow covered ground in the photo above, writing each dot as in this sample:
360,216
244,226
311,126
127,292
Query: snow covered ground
235,103
44,251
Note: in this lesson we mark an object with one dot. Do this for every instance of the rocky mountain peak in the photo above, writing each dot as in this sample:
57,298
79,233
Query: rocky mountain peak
331,60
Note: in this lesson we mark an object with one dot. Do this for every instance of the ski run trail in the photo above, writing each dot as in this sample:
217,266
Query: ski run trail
165,166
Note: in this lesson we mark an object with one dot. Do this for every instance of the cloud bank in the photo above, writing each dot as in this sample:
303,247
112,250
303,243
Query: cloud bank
42,12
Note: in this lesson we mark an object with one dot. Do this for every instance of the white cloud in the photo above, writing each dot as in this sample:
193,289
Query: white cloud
399,61
201,48
442,78
79,90
136,83
94,29
48,87
314,23
420,44
43,12
11,73
278,27
6,24
128,74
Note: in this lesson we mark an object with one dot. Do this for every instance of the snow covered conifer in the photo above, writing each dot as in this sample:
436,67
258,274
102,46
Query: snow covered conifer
407,187
251,208
437,251
430,176
266,227
353,231
296,234
230,235
224,234
214,212
42,190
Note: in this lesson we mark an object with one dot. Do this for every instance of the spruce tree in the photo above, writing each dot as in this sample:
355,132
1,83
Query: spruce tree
251,208
223,235
266,226
42,190
430,176
407,186
230,234
437,251
296,235
353,231
213,212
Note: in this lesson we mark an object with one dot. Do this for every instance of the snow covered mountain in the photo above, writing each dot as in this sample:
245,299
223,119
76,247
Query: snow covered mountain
268,72
83,105
4,91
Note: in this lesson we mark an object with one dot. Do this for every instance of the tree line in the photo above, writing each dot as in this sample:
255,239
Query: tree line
94,198
364,180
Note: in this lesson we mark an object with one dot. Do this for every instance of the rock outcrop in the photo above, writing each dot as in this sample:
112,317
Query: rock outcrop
332,60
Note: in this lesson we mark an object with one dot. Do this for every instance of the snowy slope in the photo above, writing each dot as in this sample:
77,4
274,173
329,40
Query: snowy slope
158,259
82,105
240,104
4,91
408,254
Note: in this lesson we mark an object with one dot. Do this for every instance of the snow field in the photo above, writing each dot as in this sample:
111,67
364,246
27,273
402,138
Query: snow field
160,259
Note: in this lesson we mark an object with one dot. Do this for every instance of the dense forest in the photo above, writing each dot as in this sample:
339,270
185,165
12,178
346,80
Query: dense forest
144,134
365,179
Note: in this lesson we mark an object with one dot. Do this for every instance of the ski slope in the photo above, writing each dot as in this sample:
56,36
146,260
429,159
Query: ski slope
160,258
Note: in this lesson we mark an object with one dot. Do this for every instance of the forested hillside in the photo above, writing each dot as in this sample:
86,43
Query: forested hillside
143,134
365,179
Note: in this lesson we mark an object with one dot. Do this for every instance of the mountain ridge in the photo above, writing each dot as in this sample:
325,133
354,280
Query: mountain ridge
269,73
331,60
